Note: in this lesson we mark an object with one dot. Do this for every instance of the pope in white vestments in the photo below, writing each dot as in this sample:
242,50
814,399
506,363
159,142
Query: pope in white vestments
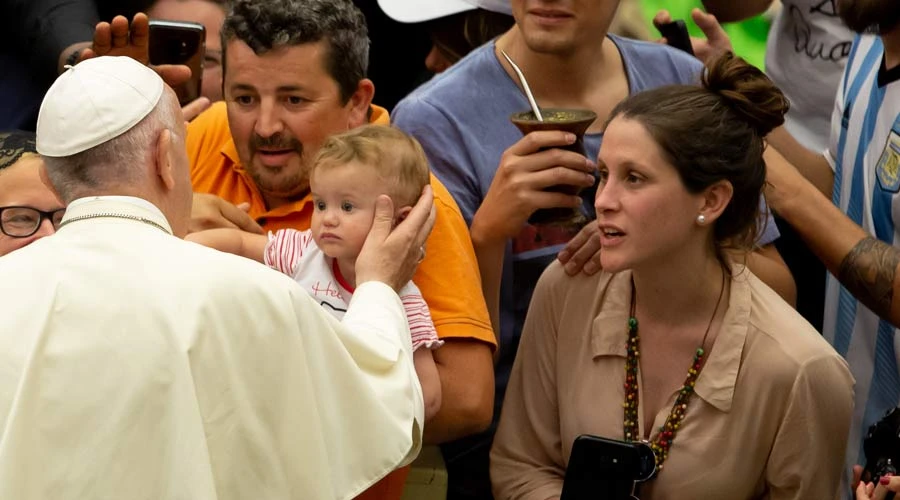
135,365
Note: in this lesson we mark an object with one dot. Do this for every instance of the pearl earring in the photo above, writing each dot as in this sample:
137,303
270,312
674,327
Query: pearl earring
701,219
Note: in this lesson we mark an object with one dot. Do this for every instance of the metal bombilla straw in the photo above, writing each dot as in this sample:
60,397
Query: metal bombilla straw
524,82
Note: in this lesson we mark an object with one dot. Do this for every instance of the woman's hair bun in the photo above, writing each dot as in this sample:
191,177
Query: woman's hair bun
748,91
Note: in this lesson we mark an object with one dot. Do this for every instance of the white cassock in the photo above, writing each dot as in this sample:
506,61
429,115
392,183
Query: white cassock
135,365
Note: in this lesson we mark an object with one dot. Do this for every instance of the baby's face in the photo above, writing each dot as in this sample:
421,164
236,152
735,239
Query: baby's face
344,208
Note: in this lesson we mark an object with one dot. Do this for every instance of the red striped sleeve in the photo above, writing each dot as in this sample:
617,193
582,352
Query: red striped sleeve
284,249
421,327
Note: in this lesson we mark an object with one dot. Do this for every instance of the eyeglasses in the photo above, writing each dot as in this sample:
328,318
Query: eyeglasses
22,222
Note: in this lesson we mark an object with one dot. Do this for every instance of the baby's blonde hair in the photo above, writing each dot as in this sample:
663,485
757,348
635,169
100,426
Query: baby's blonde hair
397,158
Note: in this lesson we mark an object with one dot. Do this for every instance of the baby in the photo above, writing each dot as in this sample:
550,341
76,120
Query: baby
349,173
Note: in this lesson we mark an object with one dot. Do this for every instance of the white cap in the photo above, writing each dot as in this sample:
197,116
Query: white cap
93,102
416,11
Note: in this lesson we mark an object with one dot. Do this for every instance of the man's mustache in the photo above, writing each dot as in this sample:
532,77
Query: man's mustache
277,141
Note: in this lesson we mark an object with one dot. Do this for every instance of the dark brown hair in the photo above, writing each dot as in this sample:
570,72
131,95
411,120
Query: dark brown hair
869,16
265,25
458,34
713,132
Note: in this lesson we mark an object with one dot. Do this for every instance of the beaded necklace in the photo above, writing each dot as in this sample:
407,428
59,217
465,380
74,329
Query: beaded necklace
667,431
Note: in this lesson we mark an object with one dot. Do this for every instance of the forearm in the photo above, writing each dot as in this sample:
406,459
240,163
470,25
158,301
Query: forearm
526,482
729,11
866,266
520,466
252,246
766,263
233,241
811,164
820,403
490,255
466,371
527,461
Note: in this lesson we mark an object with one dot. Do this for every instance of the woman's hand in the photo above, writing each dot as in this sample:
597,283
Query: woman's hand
871,491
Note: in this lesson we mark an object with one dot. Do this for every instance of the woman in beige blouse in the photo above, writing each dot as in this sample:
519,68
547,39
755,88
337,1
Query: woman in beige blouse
738,395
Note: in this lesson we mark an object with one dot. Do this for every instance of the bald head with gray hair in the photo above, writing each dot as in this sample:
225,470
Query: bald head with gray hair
120,162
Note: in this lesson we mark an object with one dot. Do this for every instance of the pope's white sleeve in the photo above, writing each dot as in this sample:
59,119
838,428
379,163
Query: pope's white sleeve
368,398
378,315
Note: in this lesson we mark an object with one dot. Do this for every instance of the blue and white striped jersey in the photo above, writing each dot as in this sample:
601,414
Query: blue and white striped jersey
864,151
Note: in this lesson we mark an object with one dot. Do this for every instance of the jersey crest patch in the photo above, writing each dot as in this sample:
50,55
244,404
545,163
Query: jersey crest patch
888,168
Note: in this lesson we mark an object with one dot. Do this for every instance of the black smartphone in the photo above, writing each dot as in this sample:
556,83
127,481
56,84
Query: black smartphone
180,42
606,468
676,34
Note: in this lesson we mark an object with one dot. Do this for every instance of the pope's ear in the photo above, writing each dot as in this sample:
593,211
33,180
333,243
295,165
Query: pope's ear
165,159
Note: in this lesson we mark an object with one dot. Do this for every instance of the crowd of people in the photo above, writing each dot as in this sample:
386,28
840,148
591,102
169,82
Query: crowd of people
287,287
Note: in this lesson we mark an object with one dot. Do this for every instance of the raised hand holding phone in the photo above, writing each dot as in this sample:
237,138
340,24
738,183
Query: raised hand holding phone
716,41
676,35
121,38
180,43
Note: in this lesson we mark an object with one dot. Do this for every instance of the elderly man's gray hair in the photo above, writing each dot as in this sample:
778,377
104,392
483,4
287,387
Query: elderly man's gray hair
117,162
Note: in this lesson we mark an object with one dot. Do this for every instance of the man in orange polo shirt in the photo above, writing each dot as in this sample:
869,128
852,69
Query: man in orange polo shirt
294,74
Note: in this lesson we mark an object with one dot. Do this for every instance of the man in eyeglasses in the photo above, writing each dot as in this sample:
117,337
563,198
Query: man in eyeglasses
28,209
